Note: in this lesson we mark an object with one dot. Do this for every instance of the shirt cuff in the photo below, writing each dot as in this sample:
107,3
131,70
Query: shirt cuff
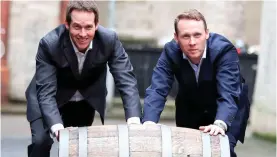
149,122
133,120
221,123
56,127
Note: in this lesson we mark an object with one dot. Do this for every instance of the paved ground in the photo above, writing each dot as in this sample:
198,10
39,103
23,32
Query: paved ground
15,136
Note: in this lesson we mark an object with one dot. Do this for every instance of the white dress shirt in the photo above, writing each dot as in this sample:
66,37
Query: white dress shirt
195,67
81,59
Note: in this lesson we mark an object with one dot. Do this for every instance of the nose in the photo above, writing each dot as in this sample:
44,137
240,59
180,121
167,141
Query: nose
192,41
83,33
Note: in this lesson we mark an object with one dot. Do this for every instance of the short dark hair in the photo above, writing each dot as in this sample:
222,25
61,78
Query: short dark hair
192,14
89,6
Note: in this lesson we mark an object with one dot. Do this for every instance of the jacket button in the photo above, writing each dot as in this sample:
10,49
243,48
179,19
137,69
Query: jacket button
231,119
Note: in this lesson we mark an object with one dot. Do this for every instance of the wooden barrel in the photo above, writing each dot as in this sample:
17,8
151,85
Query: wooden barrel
140,141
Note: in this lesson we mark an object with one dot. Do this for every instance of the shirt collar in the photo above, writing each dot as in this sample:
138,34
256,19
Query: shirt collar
203,56
76,49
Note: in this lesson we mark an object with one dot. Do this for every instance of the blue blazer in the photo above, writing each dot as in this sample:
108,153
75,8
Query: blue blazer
220,93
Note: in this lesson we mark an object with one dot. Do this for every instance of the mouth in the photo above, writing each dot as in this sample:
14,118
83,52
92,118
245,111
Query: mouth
193,50
82,41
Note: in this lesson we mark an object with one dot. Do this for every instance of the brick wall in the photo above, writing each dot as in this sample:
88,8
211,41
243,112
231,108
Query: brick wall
4,68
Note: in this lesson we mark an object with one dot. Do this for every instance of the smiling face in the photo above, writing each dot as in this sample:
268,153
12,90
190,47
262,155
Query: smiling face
191,37
82,28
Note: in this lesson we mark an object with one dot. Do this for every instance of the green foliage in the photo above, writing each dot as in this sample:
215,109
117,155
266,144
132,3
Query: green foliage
266,136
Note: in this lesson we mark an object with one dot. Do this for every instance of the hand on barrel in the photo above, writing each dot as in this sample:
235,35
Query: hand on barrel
213,129
149,122
57,134
133,120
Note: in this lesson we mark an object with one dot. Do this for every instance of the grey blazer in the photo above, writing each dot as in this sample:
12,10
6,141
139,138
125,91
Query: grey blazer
57,78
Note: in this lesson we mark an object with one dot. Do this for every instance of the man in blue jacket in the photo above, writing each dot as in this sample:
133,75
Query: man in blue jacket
212,95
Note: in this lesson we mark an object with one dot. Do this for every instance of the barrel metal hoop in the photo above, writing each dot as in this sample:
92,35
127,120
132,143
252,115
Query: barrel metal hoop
83,142
224,146
123,140
166,141
64,143
206,141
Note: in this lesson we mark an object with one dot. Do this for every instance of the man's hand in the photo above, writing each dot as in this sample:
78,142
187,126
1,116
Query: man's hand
213,129
55,130
133,120
57,135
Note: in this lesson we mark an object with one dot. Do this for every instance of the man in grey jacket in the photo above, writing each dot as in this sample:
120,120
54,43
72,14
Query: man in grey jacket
70,79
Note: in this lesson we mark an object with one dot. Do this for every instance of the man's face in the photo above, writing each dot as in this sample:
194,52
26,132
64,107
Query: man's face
192,38
82,28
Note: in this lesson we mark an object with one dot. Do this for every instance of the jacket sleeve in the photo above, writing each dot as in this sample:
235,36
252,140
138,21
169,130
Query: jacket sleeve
46,84
125,80
156,93
228,85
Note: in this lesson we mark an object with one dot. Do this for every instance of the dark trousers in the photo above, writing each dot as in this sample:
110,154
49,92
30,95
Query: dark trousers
232,143
75,114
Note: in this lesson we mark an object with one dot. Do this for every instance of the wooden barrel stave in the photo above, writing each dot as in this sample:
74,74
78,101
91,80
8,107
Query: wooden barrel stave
215,144
182,144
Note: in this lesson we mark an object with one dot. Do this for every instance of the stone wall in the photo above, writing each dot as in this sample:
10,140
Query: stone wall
154,19
263,115
29,21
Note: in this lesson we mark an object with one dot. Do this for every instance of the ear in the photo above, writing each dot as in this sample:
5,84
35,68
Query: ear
66,25
96,26
207,34
176,37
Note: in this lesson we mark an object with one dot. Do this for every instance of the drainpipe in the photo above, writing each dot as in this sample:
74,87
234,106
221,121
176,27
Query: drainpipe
109,79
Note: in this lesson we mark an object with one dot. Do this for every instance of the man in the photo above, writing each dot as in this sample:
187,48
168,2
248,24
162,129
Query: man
212,96
70,79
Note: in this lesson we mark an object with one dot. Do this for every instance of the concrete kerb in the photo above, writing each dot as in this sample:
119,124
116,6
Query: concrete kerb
115,111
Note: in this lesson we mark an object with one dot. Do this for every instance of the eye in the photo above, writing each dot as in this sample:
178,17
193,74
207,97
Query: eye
186,36
197,35
89,27
76,27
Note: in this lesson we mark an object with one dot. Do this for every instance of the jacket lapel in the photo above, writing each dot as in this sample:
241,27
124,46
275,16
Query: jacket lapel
70,55
182,68
92,56
206,69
